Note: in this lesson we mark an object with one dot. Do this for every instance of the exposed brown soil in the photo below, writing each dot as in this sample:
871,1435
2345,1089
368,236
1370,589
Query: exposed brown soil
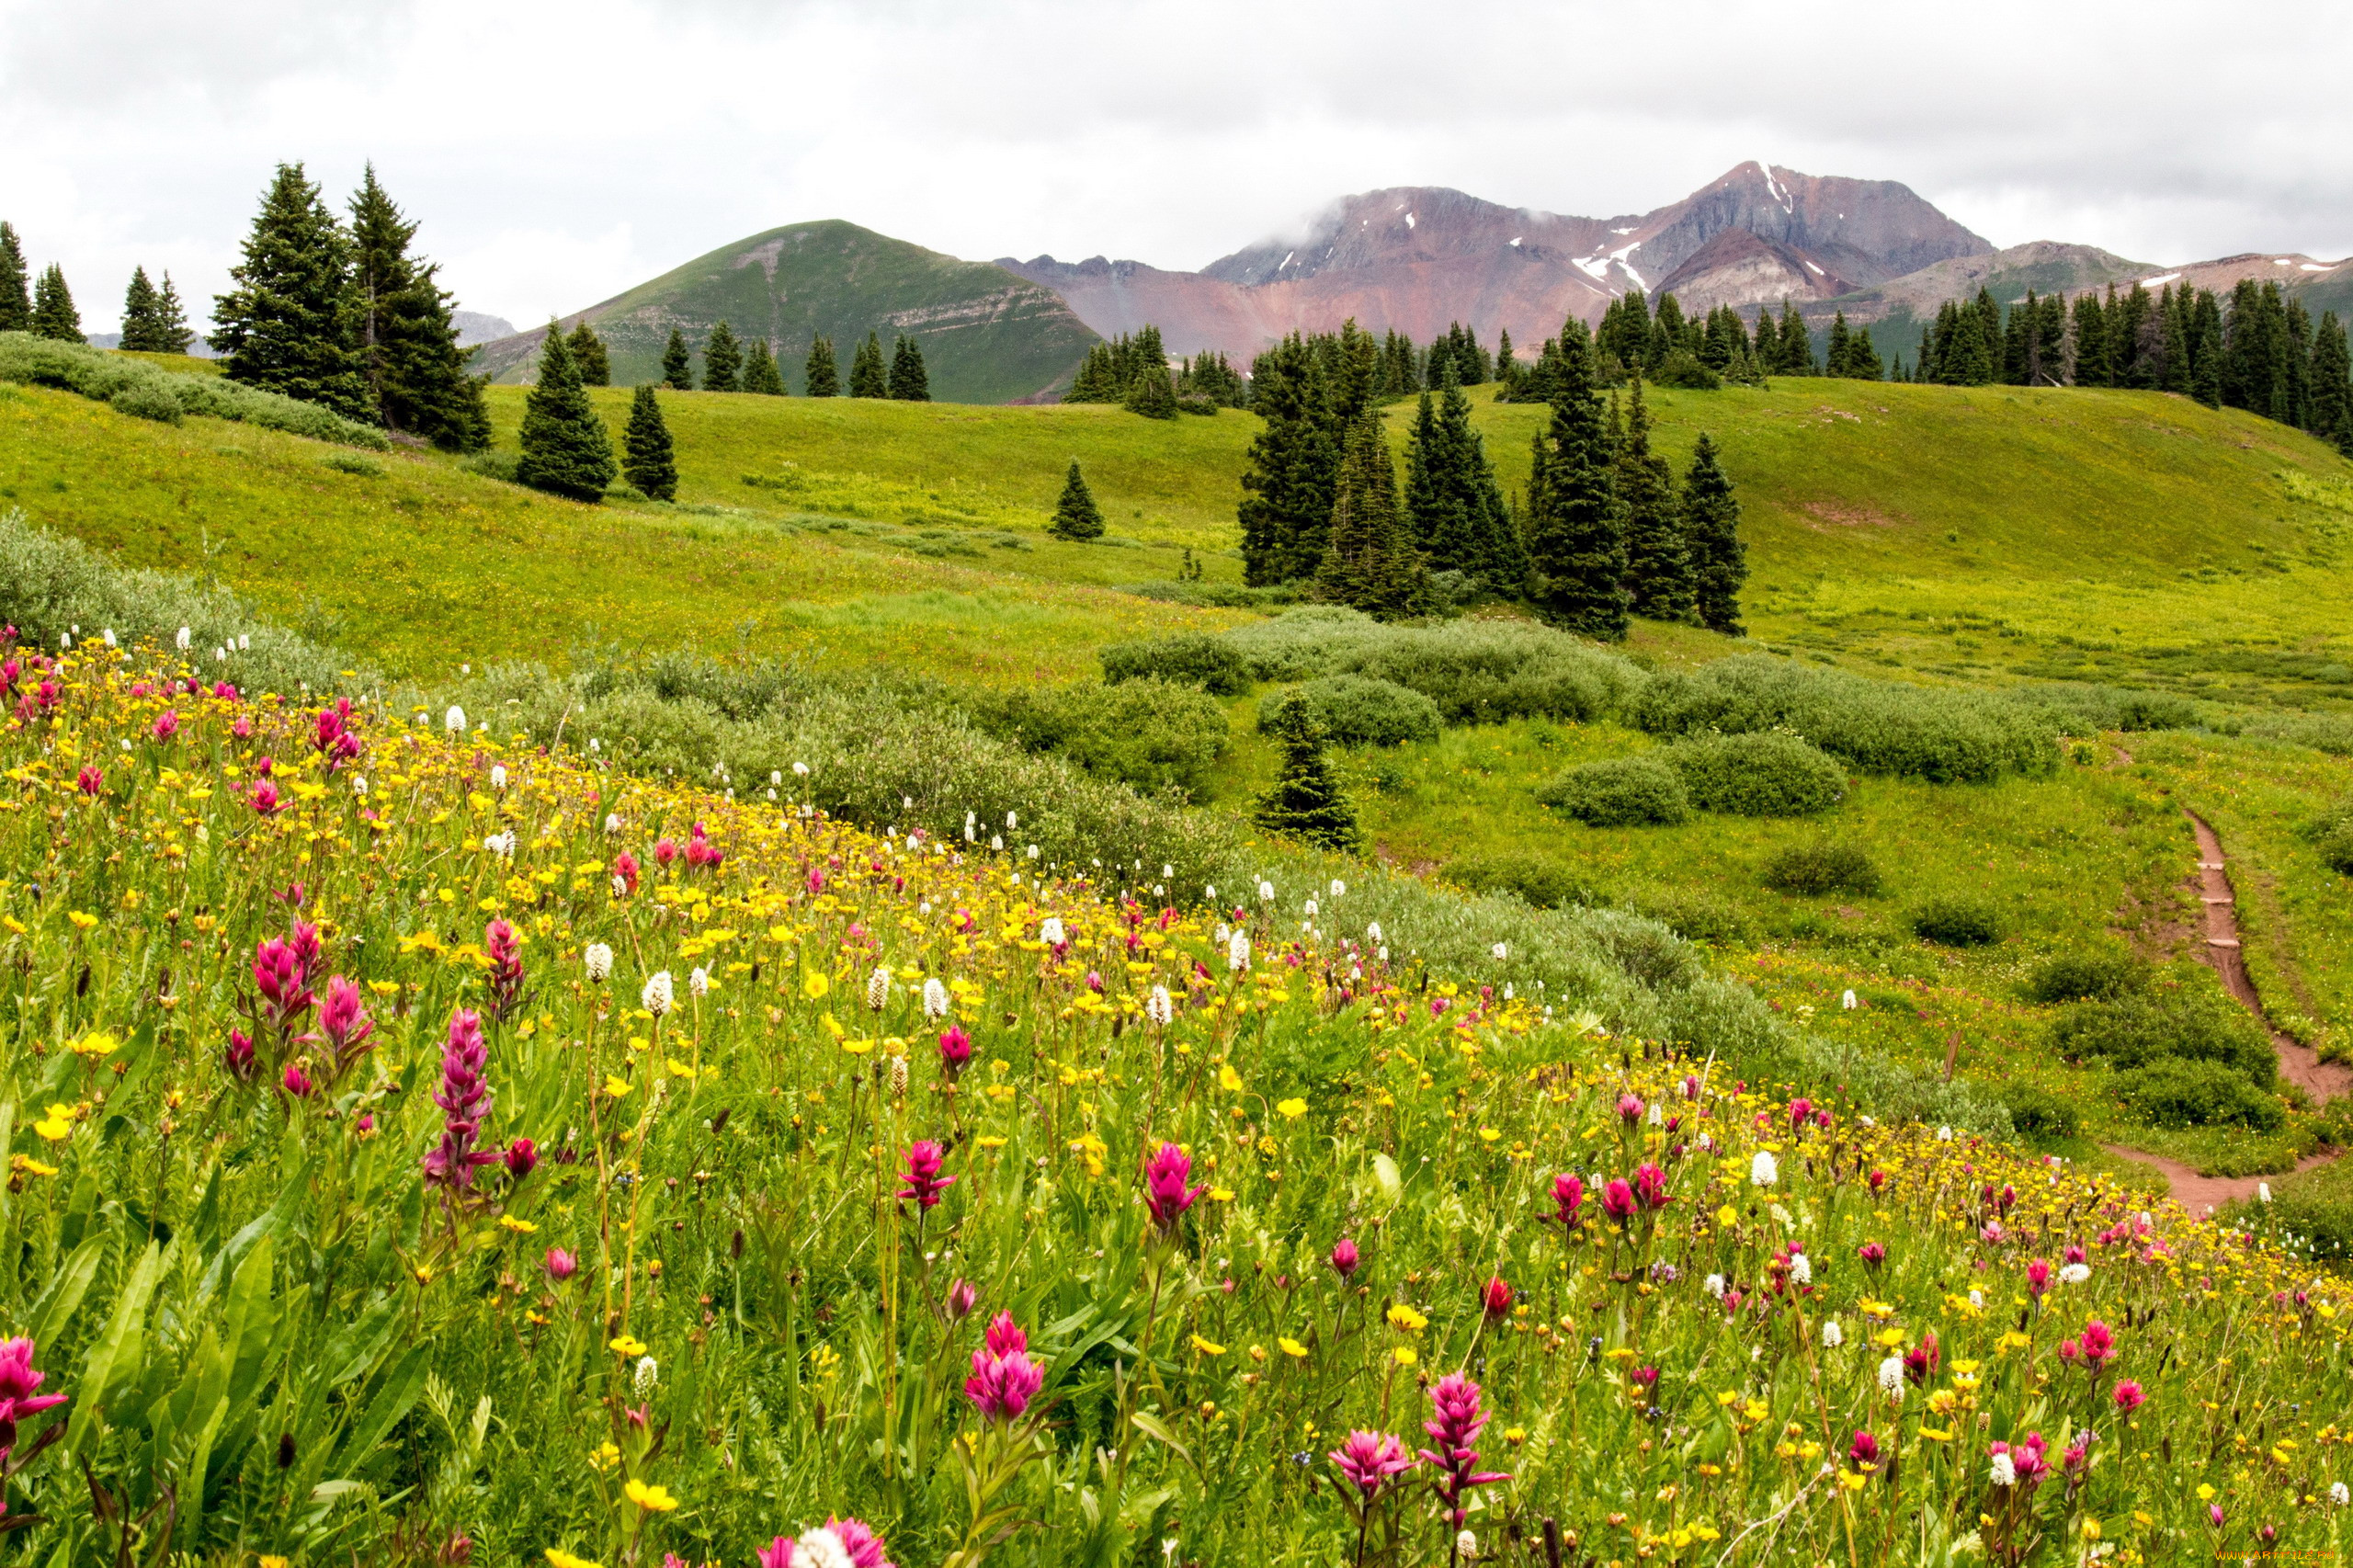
2299,1063
1843,517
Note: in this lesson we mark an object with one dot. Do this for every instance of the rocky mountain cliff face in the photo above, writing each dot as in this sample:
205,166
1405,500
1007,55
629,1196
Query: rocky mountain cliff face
1416,259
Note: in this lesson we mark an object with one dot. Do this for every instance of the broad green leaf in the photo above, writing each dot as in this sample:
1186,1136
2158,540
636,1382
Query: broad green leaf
55,1310
397,1394
117,1347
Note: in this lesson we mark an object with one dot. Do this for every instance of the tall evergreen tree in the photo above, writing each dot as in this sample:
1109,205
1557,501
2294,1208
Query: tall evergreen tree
2332,385
678,365
910,382
1835,354
1576,530
1795,342
566,448
16,286
649,461
1307,801
171,328
407,331
1077,517
1712,523
1150,393
589,353
1658,558
823,377
1368,562
2206,351
1768,341
760,374
2089,327
868,377
139,302
54,314
723,360
1293,468
1434,510
290,320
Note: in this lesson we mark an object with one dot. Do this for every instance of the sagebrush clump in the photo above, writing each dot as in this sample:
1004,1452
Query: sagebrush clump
1622,792
1770,774
1824,866
1353,711
1190,658
1958,922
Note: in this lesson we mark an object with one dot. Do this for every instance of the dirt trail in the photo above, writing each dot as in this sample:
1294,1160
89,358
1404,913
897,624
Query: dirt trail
2299,1063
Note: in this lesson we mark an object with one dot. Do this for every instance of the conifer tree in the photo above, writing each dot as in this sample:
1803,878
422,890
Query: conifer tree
1151,394
1307,801
1368,562
1835,354
566,448
138,316
823,378
868,375
2332,385
170,326
1768,341
2089,329
1434,512
911,384
15,287
1293,468
1098,377
1658,558
290,320
649,463
407,333
1576,531
588,352
53,311
1712,523
1077,517
760,374
1796,343
723,360
678,365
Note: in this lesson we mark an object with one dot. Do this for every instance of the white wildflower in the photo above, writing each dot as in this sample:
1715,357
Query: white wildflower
2074,1273
1801,1269
359,784
1311,909
2338,1494
1050,931
699,981
1714,1285
2263,1191
1466,1545
182,639
1265,891
1011,822
612,821
501,845
1846,1000
1832,1335
1237,951
878,987
935,999
1501,950
821,1548
498,776
1372,933
106,636
454,721
996,842
1339,888
597,959
244,641
1977,1298
1159,1008
1944,1134
1891,1376
646,1374
2005,1473
659,995
1763,1170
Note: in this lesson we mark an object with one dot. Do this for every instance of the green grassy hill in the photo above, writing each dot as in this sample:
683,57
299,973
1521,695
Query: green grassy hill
987,336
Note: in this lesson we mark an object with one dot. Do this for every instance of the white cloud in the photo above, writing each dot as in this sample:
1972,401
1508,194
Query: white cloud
560,154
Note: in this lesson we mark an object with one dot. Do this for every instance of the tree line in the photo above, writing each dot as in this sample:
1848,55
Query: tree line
2259,350
153,321
1604,531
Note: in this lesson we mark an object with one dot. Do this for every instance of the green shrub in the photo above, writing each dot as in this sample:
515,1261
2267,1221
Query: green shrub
1190,658
1149,734
2084,708
500,466
2194,1022
1681,369
136,387
2331,732
1824,867
1542,881
1957,923
1757,775
1353,712
1940,734
2336,851
2038,1114
2177,1093
1695,918
2093,974
1620,791
145,400
1478,672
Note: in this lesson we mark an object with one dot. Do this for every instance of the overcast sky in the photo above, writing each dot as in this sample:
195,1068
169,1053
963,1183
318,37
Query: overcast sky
558,154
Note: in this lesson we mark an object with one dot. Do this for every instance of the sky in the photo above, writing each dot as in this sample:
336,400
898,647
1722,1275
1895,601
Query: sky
557,155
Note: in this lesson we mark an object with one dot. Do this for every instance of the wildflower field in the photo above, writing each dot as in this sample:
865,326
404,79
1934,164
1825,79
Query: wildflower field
425,1150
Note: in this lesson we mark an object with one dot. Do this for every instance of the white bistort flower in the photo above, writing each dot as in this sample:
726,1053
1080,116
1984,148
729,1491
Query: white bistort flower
1159,1008
1237,951
2338,1494
1050,931
612,821
454,721
821,1548
1891,1377
597,959
659,994
935,999
1265,891
1763,1170
1801,1269
878,987
498,776
501,845
698,981
2004,1473
1372,932
2074,1273
1714,1285
644,1374
181,639
1832,1335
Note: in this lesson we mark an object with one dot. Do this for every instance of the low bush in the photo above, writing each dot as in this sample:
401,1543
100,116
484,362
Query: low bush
1620,791
1957,923
1542,881
2178,1093
1207,596
1352,710
2037,1113
1478,672
1824,867
2191,1022
1767,775
2331,732
1941,734
1695,917
1190,658
2084,708
1152,734
135,387
2091,974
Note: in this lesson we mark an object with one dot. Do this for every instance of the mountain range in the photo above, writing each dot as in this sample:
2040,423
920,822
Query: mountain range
1411,259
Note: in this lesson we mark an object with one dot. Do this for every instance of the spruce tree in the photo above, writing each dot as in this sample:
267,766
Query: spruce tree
138,316
566,448
910,382
1077,517
678,365
2332,385
1434,516
723,360
1796,343
760,374
1768,341
1368,562
417,375
1835,355
867,376
649,463
1151,394
1576,531
1293,468
1712,523
588,352
53,311
1658,558
15,289
1307,801
290,320
170,320
820,374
